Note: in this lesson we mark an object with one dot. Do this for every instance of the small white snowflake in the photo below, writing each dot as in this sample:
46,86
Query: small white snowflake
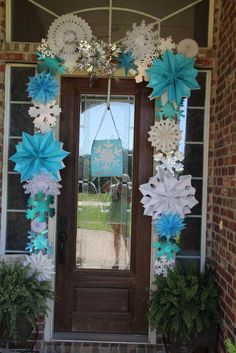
107,155
41,264
141,40
165,135
165,44
170,161
162,265
44,50
42,183
45,115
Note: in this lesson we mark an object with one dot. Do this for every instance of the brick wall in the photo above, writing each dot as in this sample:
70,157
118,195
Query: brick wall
221,241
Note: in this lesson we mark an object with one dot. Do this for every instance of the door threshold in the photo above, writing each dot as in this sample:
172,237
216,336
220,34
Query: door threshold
100,337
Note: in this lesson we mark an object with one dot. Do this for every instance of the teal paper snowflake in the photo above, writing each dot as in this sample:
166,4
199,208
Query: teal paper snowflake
126,61
52,65
174,74
168,110
38,242
43,88
166,248
40,207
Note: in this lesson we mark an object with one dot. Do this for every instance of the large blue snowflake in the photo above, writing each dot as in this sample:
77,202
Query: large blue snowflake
40,207
173,73
126,61
169,225
43,88
38,154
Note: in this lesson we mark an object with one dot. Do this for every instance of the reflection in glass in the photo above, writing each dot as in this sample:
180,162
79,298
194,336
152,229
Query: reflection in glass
104,202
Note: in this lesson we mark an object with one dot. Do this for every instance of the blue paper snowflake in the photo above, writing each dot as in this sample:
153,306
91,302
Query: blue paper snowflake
169,225
38,154
173,73
43,88
52,65
38,242
40,207
168,110
126,61
166,248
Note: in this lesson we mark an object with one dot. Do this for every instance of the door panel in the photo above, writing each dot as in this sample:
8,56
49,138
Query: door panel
95,298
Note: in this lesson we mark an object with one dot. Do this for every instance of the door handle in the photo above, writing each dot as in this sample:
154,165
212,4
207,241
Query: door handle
61,241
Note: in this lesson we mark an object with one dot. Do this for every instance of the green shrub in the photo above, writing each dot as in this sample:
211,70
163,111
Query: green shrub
230,346
22,297
184,303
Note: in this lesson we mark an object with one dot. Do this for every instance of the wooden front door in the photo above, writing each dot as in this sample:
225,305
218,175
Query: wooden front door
103,263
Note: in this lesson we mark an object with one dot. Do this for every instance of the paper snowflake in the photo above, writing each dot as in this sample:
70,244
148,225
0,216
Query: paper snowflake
170,161
165,135
165,44
126,61
43,88
169,225
167,249
42,183
188,47
40,207
44,50
107,156
64,35
173,73
166,194
168,110
38,242
41,264
141,69
52,65
141,41
38,154
162,265
38,227
45,115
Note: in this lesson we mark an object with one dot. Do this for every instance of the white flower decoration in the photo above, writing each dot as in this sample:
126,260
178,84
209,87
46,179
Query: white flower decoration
165,193
165,44
41,264
45,115
165,135
188,47
42,183
141,40
162,265
64,35
170,161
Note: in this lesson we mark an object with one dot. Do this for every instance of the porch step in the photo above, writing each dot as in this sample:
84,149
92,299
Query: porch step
98,347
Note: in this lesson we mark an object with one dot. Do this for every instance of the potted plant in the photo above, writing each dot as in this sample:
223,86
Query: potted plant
184,305
23,298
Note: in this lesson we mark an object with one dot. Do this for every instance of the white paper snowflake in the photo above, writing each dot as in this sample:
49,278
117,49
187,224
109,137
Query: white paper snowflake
107,156
166,193
142,74
165,44
170,161
44,50
42,183
162,265
188,47
41,264
165,135
38,227
141,40
45,115
64,35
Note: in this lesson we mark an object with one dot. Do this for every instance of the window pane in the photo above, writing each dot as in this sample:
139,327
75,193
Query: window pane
17,231
197,184
195,125
20,120
193,161
16,196
197,98
12,150
188,262
191,237
19,79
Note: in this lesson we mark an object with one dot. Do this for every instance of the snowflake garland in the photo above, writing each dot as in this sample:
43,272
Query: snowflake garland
44,50
42,183
141,41
169,225
162,265
170,161
52,65
41,264
166,248
126,61
168,110
165,135
40,206
43,88
164,193
45,115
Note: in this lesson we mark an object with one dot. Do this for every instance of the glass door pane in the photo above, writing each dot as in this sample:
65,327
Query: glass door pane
105,182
